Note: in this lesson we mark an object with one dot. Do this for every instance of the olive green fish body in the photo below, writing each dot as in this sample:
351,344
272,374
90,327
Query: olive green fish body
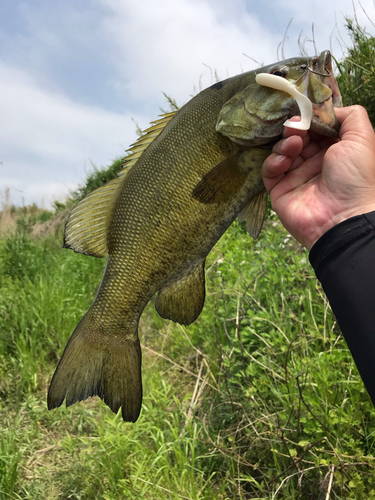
191,175
158,228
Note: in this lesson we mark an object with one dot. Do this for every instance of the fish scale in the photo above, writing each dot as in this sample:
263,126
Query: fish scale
185,182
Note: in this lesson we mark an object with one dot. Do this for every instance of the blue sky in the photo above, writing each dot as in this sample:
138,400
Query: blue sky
74,74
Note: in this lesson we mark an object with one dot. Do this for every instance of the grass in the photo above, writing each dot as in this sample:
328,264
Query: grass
257,399
356,76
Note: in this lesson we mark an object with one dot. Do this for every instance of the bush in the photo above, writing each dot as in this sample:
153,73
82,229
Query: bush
97,178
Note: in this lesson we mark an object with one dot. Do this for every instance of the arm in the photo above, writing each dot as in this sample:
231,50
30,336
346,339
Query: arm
320,188
344,262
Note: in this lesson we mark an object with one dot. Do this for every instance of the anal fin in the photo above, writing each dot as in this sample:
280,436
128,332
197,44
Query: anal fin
182,301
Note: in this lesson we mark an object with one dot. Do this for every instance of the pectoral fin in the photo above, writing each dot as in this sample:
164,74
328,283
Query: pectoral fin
254,214
222,182
225,180
183,300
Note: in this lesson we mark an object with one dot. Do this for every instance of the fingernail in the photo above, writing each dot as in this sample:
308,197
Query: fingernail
279,158
285,141
296,119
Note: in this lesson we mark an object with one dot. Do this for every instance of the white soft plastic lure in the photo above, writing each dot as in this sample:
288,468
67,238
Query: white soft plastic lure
304,103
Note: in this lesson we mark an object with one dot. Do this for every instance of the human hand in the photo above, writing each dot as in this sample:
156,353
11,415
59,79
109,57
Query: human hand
316,182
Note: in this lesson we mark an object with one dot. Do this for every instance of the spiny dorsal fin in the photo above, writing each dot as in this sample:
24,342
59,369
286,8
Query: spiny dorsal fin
144,141
87,226
254,214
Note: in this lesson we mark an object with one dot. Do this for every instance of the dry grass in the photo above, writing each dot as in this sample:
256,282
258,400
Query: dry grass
53,225
31,219
7,219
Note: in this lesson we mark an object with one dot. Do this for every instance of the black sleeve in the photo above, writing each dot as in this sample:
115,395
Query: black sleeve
344,262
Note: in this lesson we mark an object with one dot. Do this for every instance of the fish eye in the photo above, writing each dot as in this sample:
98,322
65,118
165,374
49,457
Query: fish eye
303,67
279,72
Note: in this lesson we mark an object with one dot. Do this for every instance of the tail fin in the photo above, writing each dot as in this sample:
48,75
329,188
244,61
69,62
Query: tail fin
93,364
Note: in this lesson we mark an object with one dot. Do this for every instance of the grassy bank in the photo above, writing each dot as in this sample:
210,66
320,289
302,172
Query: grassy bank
258,399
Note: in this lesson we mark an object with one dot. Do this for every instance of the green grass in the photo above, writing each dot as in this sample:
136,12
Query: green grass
258,399
356,76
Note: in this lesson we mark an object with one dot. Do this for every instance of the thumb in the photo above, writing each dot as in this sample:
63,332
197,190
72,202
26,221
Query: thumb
355,123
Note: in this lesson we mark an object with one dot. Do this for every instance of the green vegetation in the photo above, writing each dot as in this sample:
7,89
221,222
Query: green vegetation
259,398
357,71
96,178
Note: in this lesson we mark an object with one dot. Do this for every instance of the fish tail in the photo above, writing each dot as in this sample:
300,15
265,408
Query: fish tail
109,368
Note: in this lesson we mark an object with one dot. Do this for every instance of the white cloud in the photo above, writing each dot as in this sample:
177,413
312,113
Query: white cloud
327,19
49,134
162,46
47,138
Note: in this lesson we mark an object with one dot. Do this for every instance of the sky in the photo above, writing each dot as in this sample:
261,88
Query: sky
76,76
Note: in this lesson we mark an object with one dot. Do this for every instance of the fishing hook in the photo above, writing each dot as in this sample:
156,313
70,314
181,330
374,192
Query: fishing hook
305,67
326,75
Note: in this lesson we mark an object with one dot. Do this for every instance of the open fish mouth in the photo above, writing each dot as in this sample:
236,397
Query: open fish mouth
324,94
322,67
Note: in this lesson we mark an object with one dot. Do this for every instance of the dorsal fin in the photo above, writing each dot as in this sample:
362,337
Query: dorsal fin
87,226
144,141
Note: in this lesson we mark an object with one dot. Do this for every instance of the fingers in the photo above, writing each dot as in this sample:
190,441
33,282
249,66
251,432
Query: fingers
311,150
280,160
291,152
284,157
287,155
290,146
273,170
287,132
354,112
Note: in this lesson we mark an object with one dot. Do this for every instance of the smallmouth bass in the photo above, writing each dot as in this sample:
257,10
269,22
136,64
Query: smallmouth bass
187,179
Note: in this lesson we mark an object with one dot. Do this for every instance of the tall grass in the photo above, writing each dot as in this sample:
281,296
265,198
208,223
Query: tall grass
258,399
356,71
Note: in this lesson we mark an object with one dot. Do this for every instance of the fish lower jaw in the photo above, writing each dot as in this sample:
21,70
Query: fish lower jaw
324,120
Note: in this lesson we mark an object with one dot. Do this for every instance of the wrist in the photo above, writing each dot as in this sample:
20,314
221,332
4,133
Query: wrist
334,221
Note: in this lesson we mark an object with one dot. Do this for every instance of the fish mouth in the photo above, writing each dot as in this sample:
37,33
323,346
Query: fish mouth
324,101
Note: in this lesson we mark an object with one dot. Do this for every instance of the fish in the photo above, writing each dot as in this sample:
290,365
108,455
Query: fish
182,185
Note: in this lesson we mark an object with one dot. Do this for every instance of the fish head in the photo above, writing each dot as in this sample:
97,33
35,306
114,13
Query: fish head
255,115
